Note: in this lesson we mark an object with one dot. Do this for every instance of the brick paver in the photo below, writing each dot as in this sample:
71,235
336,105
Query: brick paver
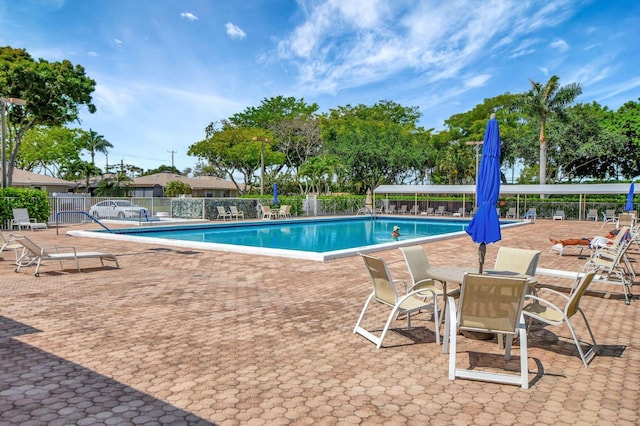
182,336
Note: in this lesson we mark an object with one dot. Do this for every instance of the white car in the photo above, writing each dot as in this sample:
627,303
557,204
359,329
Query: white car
116,208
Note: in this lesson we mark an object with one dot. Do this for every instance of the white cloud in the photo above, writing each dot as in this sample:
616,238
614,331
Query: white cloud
92,53
188,15
234,31
117,41
560,45
342,45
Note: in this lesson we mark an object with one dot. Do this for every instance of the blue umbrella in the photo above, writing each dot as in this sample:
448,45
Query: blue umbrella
485,225
629,205
275,194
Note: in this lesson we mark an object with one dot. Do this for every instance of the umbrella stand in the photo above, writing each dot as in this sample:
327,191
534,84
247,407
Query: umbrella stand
482,250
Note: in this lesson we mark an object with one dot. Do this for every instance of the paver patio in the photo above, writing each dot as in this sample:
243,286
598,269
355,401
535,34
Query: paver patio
181,336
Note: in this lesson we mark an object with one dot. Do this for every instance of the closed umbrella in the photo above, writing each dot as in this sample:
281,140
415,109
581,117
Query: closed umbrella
629,205
368,203
485,225
275,194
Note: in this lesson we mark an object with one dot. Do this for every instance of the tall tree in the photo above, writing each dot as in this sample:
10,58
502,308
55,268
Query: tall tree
543,102
54,92
94,142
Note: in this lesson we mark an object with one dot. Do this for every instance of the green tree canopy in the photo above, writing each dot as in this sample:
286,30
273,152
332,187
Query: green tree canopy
54,93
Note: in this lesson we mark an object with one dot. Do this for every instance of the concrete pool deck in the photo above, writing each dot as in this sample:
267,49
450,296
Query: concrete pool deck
188,336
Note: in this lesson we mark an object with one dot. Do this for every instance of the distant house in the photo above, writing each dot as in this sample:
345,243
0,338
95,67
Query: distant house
24,179
201,186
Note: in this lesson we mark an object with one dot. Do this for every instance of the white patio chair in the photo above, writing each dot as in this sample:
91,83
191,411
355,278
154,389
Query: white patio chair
385,293
21,219
549,313
488,304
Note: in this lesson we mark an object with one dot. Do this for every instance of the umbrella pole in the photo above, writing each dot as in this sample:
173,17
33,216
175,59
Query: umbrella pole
482,250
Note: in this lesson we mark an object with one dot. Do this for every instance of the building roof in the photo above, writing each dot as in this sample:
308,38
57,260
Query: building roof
30,179
585,189
200,182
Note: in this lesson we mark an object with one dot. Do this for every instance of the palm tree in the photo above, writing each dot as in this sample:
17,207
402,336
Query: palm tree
544,102
93,142
116,186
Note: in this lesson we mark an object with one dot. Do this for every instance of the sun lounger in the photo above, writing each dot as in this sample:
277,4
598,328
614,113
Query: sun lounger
37,253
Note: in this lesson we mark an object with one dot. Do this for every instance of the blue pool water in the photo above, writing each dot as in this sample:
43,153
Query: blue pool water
313,236
314,239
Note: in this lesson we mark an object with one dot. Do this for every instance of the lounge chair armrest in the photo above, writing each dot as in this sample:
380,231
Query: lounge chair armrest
404,284
547,290
542,302
65,249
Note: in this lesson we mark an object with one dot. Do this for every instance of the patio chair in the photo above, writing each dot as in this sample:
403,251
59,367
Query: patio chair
223,213
391,209
415,209
36,253
21,219
418,264
284,212
403,209
459,213
530,214
267,213
608,216
559,215
626,219
488,304
10,244
592,214
552,314
385,293
611,261
235,213
511,213
428,211
441,211
518,260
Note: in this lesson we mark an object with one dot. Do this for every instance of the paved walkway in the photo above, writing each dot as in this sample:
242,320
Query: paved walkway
196,337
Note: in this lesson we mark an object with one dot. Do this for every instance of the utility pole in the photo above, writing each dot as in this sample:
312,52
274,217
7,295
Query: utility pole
5,102
172,152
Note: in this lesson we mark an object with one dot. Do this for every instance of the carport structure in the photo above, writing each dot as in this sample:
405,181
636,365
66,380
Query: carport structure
583,190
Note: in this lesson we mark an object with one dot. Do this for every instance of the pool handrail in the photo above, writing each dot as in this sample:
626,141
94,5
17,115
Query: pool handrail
84,213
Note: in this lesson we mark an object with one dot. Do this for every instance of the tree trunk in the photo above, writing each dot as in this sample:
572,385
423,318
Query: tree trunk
543,155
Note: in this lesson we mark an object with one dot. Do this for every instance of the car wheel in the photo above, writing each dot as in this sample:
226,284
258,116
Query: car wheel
95,214
120,215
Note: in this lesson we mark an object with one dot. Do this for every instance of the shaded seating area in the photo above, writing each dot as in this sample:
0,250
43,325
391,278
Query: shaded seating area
34,253
21,220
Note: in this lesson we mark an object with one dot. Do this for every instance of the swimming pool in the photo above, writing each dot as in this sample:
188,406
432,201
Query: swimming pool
317,239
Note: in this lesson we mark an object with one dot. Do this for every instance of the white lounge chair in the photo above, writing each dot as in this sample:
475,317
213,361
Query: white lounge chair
235,213
559,215
36,253
21,219
10,244
223,213
592,214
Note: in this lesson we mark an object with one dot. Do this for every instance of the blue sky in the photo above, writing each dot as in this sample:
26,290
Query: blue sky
167,68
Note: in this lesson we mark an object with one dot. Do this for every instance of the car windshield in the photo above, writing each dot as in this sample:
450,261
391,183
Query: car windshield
123,203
